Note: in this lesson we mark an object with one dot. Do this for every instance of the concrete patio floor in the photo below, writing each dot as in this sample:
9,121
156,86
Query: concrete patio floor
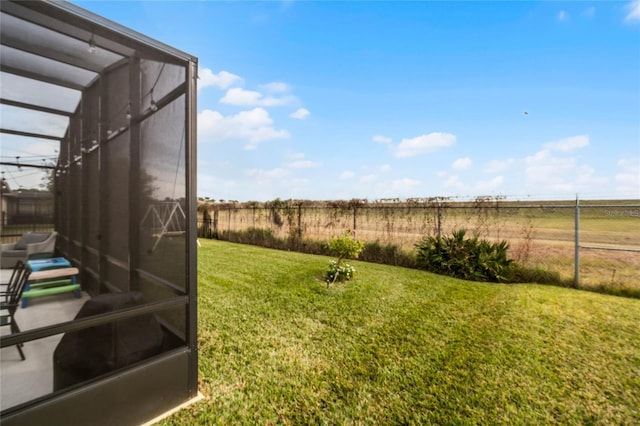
21,381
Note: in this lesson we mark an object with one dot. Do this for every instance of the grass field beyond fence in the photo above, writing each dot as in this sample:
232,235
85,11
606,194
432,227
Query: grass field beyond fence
401,346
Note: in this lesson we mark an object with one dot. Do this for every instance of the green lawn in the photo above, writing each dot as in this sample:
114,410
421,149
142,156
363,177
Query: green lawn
401,346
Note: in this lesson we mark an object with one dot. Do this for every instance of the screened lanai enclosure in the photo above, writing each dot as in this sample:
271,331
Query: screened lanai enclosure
121,109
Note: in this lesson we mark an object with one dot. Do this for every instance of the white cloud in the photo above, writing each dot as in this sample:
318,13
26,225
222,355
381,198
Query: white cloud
582,180
12,146
543,169
222,80
586,178
385,168
368,178
423,144
242,97
453,181
32,91
267,176
299,162
562,16
302,164
347,175
381,139
275,87
628,177
633,11
490,185
404,185
253,125
300,113
546,172
495,166
568,144
462,163
31,120
212,186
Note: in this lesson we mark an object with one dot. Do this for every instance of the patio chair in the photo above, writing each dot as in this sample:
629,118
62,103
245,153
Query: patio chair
11,299
84,354
29,246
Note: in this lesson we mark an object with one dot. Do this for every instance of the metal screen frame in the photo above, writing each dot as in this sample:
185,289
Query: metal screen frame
136,393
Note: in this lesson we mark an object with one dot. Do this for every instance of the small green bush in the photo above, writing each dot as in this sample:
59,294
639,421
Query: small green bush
339,272
343,247
466,258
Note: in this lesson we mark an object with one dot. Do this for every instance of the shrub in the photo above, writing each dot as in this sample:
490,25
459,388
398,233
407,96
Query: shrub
387,254
467,258
314,247
339,272
256,236
343,247
522,274
259,236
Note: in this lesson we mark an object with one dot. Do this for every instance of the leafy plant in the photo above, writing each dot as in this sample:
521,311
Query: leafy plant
343,247
467,258
339,272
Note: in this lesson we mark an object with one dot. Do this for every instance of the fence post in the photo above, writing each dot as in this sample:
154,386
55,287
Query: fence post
299,221
439,219
498,216
355,210
215,224
206,223
576,271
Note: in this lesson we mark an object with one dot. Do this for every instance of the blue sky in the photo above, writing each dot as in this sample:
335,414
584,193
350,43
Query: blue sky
340,100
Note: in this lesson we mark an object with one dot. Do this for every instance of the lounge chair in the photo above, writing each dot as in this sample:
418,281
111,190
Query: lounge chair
29,246
10,299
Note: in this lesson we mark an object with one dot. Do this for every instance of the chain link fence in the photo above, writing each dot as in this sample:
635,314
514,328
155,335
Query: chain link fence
596,244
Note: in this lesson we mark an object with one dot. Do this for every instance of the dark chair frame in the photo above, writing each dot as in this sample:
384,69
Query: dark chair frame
11,299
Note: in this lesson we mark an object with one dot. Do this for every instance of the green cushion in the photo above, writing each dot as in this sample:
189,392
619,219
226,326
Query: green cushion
50,290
